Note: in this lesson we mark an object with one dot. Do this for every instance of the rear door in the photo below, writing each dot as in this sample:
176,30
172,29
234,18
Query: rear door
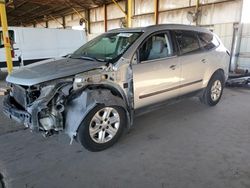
156,76
15,48
192,60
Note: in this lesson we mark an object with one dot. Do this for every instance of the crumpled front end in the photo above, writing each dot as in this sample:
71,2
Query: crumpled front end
15,113
40,109
62,105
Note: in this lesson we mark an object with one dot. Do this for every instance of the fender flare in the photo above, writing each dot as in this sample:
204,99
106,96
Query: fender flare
210,73
81,103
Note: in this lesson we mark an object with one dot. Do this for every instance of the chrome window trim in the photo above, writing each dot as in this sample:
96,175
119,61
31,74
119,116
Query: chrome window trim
159,59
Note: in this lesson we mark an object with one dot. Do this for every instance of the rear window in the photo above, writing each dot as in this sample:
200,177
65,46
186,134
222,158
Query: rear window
11,36
208,41
187,41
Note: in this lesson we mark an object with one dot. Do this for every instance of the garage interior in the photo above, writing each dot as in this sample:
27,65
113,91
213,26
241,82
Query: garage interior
183,145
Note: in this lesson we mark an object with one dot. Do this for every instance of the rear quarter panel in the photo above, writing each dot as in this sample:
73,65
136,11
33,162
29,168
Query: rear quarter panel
217,59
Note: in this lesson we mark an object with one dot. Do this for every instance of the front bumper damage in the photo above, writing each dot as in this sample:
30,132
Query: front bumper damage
77,105
14,113
29,115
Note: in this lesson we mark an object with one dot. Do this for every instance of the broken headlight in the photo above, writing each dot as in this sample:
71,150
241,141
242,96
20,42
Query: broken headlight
86,78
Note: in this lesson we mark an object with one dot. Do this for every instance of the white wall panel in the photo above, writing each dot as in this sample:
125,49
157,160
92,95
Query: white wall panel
245,44
211,14
172,4
55,24
175,16
225,32
221,13
73,23
203,2
114,24
76,16
97,14
210,1
246,30
144,6
97,27
142,21
244,63
114,12
244,60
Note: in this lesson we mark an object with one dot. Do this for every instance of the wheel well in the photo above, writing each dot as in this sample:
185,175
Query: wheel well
113,90
219,71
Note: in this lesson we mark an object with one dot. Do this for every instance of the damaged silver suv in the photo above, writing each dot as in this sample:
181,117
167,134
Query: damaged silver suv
94,94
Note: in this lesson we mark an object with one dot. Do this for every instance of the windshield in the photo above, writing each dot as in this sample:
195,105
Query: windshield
107,47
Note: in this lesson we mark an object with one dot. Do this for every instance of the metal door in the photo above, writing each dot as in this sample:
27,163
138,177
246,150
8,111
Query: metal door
156,76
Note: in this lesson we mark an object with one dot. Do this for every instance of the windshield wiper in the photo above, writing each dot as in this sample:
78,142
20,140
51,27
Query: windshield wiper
92,58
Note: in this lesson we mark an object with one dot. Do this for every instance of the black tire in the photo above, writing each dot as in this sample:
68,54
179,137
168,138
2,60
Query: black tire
206,98
1,181
83,134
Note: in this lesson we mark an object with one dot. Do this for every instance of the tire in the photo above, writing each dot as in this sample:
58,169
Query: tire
1,181
97,132
213,92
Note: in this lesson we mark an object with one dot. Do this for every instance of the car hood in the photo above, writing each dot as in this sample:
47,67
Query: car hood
49,70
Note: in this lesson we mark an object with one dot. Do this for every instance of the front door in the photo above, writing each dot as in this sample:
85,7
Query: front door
156,76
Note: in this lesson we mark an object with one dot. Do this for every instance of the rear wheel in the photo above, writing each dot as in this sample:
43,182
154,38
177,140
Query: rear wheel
1,181
102,127
214,90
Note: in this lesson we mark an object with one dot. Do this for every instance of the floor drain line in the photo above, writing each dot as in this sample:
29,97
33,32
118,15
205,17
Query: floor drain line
1,181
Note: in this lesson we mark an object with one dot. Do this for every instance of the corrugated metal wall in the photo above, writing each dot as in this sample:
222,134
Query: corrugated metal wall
172,11
244,55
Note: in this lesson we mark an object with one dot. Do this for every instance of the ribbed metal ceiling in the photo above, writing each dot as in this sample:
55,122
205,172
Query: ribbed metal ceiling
21,12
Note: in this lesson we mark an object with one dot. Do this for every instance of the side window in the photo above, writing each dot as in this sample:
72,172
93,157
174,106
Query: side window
187,41
208,41
11,36
156,47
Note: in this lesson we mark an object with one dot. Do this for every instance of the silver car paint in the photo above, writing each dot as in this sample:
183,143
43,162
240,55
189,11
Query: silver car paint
50,70
142,78
197,71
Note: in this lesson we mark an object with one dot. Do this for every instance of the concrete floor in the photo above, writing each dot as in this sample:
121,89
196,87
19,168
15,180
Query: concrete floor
185,145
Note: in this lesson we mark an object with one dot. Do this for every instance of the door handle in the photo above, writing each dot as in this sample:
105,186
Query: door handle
172,67
203,60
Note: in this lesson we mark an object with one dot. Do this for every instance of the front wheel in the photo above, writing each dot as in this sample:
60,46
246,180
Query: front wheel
102,127
212,94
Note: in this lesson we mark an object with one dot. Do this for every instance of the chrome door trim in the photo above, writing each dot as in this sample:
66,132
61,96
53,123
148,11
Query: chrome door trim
167,90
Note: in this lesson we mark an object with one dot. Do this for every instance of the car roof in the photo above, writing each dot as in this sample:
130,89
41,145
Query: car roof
154,28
